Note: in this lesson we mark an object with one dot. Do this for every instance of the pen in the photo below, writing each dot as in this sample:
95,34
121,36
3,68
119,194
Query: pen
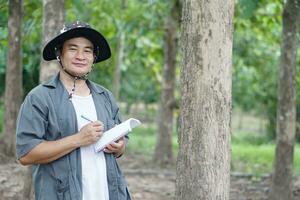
86,118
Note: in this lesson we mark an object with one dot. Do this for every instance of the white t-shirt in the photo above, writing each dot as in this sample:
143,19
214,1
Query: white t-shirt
94,180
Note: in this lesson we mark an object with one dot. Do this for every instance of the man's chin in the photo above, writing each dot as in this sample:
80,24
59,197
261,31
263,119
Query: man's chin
77,74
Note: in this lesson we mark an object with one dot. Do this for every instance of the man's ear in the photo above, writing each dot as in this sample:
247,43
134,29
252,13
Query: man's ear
57,53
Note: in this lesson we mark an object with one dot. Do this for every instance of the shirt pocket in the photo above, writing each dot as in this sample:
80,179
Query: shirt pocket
63,188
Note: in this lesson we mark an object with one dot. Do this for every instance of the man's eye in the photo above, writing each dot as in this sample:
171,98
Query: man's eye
72,49
88,51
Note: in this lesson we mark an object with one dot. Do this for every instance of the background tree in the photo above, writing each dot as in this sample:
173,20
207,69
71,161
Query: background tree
203,163
53,20
286,111
256,51
13,78
163,154
120,53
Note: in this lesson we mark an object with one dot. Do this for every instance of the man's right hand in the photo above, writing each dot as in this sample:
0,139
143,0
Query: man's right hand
48,151
90,133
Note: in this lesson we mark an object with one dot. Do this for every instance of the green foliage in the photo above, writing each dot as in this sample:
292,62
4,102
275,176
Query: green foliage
3,42
247,8
257,37
31,43
256,49
256,58
142,24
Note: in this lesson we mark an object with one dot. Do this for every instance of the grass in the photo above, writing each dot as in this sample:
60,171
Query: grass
251,153
258,159
142,140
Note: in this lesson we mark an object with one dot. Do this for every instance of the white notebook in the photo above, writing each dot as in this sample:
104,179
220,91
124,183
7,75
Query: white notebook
116,133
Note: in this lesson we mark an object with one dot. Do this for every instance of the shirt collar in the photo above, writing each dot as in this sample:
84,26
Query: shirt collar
54,81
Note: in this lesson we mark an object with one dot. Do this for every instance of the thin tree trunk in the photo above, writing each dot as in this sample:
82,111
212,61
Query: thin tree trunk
117,72
120,55
163,154
13,78
53,20
286,110
203,163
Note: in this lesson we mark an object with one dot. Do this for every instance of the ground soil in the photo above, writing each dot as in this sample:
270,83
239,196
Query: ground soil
149,182
146,181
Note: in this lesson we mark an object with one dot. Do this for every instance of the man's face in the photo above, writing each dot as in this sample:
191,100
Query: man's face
77,55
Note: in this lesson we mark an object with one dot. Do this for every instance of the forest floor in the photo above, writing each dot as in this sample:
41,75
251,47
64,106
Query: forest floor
148,182
145,180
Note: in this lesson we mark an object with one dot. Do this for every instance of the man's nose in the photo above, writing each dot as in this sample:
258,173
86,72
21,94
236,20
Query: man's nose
80,55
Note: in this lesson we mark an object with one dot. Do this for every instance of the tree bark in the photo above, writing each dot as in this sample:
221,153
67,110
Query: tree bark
13,78
53,20
120,55
203,163
286,111
163,154
117,72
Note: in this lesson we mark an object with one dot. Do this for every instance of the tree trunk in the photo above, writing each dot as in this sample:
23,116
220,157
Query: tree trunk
286,110
120,55
13,78
117,72
203,163
163,154
53,20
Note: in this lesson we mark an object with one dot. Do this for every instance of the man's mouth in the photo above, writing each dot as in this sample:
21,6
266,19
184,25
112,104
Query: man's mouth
79,64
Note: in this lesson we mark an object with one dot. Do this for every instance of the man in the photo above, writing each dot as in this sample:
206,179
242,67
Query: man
60,121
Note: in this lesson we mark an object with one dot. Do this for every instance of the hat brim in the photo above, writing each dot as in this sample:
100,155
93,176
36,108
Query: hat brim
94,36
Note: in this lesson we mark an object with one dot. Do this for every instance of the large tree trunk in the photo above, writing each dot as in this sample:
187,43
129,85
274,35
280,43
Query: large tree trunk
13,78
203,164
286,110
163,154
53,20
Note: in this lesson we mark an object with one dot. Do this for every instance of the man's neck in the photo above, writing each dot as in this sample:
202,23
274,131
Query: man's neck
81,88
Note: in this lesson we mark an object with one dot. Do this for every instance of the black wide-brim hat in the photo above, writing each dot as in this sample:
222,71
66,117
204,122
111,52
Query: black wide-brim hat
78,29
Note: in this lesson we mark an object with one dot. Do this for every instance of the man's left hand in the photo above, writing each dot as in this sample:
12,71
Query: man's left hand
117,148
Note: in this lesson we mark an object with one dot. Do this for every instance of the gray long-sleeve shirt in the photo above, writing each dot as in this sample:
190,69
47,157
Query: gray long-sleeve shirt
47,114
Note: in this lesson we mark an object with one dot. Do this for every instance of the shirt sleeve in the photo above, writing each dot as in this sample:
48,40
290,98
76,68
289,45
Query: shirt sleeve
31,125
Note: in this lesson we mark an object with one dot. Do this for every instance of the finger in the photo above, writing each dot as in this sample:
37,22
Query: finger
107,150
98,134
121,140
111,148
116,145
99,128
97,123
